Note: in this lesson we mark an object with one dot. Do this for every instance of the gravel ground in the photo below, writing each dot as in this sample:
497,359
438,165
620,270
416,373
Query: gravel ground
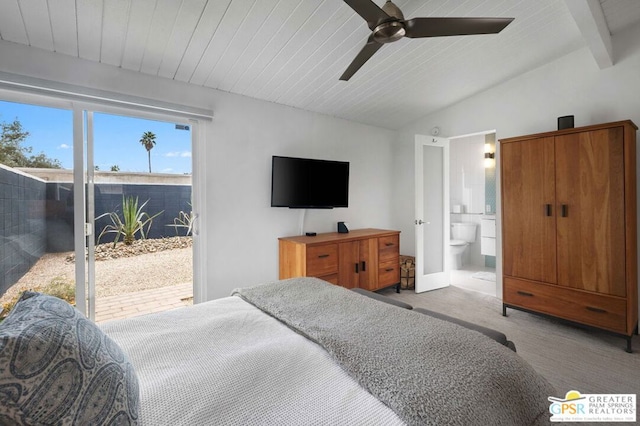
146,265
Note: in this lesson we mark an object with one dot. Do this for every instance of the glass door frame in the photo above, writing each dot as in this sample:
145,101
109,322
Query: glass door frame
435,280
84,209
41,97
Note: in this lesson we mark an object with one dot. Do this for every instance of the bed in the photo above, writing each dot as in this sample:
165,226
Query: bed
291,352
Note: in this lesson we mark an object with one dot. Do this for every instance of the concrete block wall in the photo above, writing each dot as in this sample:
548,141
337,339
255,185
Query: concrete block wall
22,224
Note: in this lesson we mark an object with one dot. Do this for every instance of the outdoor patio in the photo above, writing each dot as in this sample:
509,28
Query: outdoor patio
143,302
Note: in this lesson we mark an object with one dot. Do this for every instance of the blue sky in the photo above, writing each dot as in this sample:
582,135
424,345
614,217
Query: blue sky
116,139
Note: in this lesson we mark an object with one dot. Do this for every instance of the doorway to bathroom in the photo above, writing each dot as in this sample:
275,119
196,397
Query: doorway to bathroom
472,215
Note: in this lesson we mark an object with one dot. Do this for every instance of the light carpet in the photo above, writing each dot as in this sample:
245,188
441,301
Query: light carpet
568,356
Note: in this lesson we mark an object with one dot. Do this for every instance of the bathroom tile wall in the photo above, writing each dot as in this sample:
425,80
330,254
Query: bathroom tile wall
490,192
467,188
467,174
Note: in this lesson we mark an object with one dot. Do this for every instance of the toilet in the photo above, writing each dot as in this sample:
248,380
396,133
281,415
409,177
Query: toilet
462,234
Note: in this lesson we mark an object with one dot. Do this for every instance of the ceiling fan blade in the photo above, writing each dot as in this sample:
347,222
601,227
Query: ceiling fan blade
439,27
367,52
369,11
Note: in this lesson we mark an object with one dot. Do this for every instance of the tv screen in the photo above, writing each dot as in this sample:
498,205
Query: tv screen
307,183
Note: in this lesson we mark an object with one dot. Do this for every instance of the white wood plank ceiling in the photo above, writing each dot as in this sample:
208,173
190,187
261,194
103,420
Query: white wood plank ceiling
620,14
293,51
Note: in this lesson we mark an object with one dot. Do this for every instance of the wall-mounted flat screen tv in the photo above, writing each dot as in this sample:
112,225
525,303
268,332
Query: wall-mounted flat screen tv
305,183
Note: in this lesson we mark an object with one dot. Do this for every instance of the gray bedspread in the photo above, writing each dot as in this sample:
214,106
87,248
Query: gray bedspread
428,371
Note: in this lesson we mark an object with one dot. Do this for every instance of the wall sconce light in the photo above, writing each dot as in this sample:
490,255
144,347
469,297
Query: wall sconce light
489,156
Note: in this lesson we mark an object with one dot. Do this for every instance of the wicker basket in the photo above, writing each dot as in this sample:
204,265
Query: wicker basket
407,272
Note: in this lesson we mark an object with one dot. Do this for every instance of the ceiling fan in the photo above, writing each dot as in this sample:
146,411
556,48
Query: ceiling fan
387,25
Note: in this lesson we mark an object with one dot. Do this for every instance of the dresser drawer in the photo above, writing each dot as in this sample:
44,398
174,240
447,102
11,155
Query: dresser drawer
322,260
592,309
333,278
389,273
388,248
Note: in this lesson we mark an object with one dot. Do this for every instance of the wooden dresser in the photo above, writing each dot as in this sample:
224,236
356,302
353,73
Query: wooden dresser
569,225
364,258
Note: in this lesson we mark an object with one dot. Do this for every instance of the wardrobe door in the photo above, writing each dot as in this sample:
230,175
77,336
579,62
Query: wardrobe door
591,209
528,209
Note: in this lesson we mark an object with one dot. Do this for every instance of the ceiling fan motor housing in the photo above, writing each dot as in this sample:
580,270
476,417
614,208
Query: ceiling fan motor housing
392,30
388,32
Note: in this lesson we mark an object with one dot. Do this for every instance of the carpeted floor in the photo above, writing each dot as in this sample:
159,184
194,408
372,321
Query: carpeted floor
569,357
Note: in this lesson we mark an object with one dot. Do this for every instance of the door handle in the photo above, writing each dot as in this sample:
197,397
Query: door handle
419,222
364,266
548,209
356,268
565,210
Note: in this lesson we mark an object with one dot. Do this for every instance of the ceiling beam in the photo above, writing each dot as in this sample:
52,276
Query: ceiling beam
590,19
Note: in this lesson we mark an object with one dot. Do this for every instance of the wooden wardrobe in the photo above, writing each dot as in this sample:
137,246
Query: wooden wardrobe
569,225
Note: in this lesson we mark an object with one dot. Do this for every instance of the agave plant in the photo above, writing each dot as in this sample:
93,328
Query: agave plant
184,220
134,221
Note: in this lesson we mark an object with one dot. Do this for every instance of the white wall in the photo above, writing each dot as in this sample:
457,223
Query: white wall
241,227
243,232
530,103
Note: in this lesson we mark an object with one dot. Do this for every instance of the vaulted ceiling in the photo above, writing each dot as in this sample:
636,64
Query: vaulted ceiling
293,52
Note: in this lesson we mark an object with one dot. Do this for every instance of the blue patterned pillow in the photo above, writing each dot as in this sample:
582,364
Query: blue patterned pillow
57,367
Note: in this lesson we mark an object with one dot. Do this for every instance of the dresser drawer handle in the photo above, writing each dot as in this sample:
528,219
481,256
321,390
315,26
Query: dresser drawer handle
323,256
389,269
388,244
524,293
598,310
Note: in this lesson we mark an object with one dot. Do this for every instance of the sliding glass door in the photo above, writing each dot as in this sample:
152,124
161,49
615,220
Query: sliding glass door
68,176
138,205
36,199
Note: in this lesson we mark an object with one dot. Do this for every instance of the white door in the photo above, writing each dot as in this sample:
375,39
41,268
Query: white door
432,213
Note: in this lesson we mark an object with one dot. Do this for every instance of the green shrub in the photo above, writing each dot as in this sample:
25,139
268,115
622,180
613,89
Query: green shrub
59,287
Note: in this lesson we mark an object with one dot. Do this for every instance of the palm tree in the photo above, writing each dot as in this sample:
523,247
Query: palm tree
149,141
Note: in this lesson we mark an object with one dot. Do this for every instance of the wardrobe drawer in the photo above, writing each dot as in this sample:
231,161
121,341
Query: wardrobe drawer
588,308
322,260
388,248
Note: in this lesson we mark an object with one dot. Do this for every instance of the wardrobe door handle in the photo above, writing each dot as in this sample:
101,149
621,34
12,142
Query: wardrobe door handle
548,209
364,266
598,310
524,293
356,268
